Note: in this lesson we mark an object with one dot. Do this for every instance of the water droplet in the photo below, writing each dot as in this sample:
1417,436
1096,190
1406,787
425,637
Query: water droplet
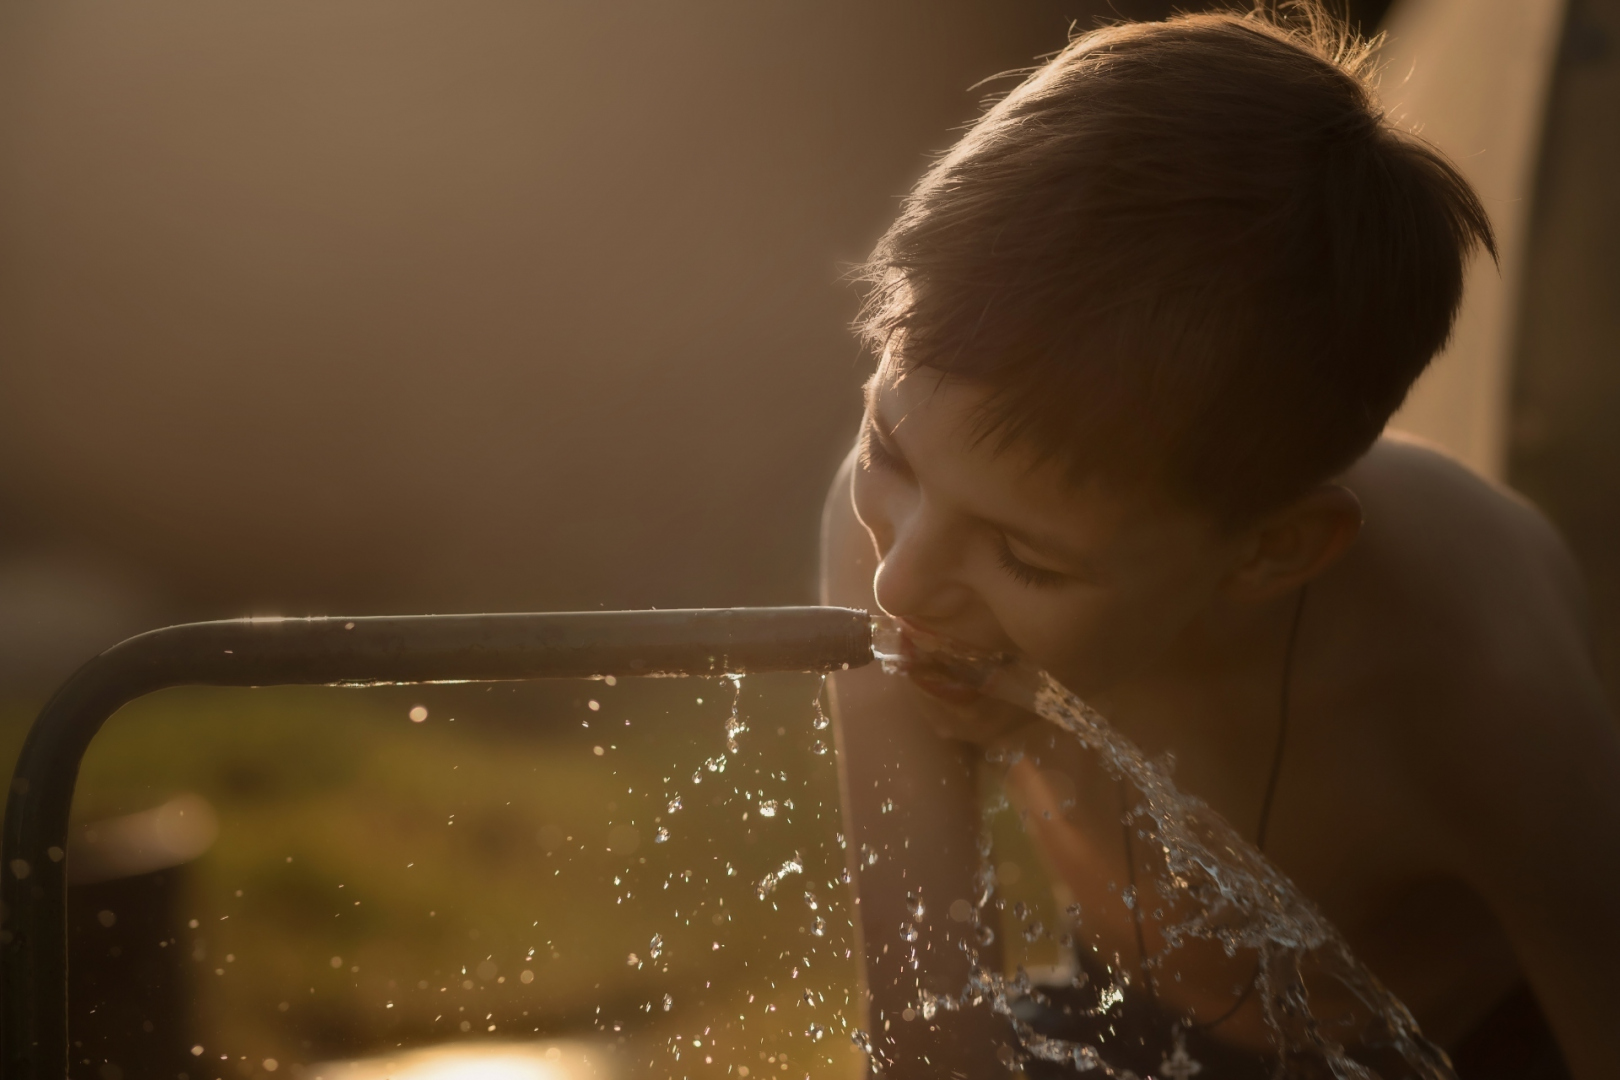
1072,911
1086,1058
862,1040
661,835
818,926
1128,894
908,931
1034,930
716,764
986,935
818,747
1020,911
816,1032
887,806
810,900
655,948
810,998
769,882
767,808
674,804
914,905
820,720
669,1003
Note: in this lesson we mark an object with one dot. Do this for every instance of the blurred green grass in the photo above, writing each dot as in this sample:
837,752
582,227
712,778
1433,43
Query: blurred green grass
487,873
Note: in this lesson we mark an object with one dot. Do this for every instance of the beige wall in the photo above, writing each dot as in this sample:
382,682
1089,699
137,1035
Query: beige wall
1472,77
391,304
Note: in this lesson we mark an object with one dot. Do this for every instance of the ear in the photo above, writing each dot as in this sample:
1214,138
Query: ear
1295,544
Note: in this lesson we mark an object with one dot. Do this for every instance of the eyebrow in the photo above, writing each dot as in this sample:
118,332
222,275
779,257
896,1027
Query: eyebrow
873,423
886,437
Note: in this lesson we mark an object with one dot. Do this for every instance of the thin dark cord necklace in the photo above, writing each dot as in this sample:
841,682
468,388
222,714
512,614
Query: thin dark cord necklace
1282,721
1259,833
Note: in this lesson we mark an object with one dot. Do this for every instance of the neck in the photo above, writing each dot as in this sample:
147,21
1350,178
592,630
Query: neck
1224,667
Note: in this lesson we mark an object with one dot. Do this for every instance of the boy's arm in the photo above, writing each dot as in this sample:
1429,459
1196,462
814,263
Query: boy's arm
909,797
1531,776
1546,855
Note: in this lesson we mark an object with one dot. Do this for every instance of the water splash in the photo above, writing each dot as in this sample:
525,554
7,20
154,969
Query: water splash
769,882
1216,904
734,723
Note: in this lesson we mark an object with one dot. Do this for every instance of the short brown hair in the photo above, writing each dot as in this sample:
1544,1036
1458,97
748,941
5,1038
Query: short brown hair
1192,250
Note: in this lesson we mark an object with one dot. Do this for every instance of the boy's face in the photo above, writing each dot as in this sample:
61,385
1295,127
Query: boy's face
1002,551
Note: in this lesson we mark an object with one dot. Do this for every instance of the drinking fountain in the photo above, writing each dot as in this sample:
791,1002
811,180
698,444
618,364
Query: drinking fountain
333,651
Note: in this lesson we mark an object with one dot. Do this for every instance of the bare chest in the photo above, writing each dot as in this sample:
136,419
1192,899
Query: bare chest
1349,823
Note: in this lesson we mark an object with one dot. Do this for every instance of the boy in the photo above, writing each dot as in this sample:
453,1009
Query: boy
1140,332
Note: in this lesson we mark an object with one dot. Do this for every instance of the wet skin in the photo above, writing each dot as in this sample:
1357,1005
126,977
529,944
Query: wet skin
1449,792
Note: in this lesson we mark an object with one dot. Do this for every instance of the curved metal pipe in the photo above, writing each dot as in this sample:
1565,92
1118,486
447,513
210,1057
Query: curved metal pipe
332,651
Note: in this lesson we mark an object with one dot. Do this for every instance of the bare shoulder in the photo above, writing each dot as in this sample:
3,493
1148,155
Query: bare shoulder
1479,614
1465,535
1464,613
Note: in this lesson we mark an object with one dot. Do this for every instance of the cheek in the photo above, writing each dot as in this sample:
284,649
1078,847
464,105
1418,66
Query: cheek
1080,634
1093,638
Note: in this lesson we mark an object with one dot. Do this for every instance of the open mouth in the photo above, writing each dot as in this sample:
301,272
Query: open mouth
946,669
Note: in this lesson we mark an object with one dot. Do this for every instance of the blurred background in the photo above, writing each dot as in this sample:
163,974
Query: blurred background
388,307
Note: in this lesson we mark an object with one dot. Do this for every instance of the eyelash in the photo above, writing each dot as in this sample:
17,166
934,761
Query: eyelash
1033,576
875,455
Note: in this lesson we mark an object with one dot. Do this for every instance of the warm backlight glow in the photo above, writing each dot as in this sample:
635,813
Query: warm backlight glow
479,1061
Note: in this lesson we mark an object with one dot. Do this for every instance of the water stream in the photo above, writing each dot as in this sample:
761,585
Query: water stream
1203,949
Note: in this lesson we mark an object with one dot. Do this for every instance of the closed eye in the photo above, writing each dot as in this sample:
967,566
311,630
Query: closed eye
1034,576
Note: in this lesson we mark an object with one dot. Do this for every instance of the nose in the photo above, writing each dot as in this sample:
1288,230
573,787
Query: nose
914,578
